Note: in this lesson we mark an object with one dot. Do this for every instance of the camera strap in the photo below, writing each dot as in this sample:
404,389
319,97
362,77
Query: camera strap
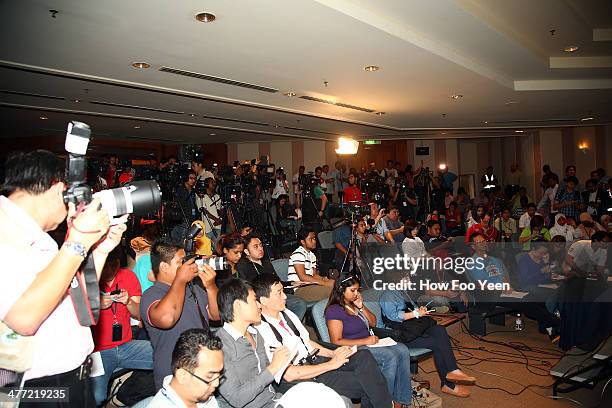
85,293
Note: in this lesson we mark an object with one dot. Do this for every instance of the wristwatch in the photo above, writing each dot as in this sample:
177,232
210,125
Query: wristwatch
76,248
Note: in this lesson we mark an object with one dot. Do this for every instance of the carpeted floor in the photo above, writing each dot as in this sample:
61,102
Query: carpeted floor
507,375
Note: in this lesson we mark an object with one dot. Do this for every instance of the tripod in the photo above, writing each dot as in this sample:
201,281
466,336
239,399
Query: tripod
351,253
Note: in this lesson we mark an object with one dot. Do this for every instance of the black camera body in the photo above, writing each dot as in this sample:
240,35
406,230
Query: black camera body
139,197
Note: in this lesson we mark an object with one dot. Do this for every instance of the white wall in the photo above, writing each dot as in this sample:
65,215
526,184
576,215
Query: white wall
248,151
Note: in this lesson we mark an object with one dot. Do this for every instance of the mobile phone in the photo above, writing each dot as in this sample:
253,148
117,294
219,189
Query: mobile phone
115,292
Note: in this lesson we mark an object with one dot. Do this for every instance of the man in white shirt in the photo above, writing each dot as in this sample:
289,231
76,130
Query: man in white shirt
210,208
351,373
200,170
35,273
526,217
586,258
329,183
197,371
389,173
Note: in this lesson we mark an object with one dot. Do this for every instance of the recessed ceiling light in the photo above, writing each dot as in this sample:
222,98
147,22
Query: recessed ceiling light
519,131
485,122
136,127
205,17
571,48
141,65
212,134
76,100
456,96
509,103
290,94
192,114
43,118
587,119
380,113
371,68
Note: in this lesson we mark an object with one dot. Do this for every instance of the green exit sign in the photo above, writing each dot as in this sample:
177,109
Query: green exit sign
371,142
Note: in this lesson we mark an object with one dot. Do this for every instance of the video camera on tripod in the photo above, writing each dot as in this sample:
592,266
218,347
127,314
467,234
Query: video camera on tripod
308,181
375,188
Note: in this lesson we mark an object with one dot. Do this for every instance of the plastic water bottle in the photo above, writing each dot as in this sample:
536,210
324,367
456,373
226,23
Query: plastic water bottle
519,325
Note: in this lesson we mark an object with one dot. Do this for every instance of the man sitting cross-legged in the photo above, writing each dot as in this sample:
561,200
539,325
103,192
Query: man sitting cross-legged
354,376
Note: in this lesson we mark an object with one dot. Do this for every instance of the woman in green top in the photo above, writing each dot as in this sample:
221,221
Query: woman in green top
535,232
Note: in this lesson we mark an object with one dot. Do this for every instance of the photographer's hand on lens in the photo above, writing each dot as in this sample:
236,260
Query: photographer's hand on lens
207,274
113,237
88,225
186,272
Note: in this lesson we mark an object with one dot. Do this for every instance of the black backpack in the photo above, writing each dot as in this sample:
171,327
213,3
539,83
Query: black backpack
138,386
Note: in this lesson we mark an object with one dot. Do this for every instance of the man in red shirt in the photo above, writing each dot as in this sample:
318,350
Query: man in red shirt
119,302
352,193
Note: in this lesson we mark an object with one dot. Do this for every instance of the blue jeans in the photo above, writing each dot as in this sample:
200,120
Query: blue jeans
394,363
297,305
137,354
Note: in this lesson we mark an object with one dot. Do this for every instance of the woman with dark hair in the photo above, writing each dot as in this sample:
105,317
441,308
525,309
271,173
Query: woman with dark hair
393,304
230,246
285,214
349,323
474,216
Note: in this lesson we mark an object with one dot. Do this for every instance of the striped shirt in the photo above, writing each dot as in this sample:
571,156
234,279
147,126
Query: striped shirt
302,256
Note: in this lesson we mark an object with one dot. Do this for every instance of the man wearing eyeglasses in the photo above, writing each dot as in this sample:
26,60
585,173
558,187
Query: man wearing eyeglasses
197,371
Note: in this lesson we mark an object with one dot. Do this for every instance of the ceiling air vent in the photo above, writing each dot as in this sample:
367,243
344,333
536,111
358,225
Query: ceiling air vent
235,120
5,91
342,105
147,108
311,130
217,79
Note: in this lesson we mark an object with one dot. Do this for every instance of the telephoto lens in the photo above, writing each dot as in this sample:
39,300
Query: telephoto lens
217,263
138,197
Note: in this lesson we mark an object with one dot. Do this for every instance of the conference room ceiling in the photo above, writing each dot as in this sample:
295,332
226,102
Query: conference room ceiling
270,70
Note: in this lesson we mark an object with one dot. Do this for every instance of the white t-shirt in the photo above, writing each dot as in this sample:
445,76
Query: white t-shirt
61,344
324,183
290,338
302,256
213,206
279,189
205,174
524,220
414,248
584,256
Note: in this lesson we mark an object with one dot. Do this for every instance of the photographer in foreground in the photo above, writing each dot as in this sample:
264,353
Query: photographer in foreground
36,274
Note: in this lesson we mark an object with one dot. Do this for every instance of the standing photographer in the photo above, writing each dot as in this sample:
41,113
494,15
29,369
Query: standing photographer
35,273
314,202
